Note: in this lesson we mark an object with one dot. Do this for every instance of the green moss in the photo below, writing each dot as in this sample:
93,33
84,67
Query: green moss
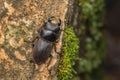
70,51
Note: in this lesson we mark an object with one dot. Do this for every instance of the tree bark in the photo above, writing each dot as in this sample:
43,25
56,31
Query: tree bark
19,22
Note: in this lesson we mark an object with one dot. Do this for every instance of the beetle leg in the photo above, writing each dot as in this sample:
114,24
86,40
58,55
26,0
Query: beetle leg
58,36
58,52
50,55
59,23
39,30
49,61
61,30
34,40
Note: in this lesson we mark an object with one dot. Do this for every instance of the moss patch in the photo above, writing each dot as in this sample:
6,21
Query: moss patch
70,51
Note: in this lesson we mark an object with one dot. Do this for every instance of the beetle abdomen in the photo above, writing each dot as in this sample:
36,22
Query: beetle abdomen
42,51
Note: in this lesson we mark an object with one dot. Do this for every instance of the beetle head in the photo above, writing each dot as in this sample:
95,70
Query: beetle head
54,20
53,24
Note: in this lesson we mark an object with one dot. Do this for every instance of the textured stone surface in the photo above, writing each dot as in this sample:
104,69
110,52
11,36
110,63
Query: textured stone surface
19,21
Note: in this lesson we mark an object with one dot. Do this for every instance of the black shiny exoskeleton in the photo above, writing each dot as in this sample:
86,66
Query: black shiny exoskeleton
48,36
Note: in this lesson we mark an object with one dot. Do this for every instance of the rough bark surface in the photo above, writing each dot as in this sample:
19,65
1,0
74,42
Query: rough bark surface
19,21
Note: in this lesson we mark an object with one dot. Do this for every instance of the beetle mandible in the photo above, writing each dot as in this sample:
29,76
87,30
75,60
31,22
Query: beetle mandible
48,36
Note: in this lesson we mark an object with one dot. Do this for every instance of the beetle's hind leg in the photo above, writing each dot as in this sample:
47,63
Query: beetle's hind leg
36,38
32,42
56,50
49,60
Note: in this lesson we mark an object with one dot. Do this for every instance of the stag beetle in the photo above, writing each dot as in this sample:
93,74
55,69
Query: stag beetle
48,36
